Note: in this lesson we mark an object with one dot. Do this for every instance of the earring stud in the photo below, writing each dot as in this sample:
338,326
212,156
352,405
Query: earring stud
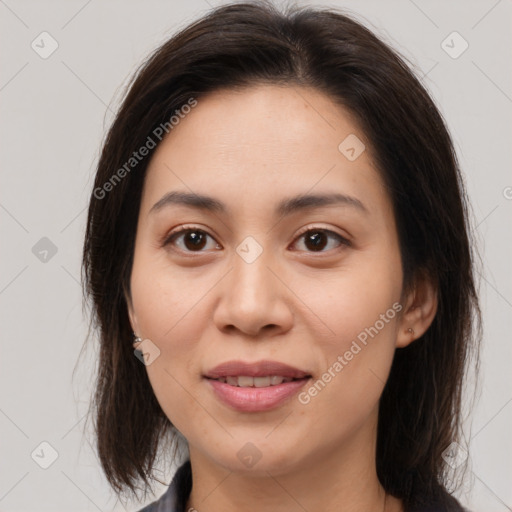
411,330
136,339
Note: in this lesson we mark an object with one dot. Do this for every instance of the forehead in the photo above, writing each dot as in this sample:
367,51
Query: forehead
262,143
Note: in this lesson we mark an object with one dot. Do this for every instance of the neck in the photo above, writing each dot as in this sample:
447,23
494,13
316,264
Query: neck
333,479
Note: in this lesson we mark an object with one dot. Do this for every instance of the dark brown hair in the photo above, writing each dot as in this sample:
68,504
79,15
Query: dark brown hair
237,46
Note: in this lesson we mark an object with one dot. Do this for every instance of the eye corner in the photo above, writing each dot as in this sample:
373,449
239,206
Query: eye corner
167,240
344,241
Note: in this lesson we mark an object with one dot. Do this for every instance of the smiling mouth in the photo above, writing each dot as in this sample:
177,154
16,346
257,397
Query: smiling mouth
247,394
245,381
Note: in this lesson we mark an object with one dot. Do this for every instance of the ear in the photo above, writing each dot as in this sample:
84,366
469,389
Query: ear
133,318
419,311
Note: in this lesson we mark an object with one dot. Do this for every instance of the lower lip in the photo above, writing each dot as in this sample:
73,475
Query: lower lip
256,399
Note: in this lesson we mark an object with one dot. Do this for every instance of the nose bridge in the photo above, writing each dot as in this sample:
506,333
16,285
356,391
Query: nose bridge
252,297
252,281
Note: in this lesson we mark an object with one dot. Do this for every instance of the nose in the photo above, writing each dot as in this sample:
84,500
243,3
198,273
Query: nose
254,299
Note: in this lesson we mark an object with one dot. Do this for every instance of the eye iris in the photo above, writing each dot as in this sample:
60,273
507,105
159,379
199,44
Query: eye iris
197,239
317,238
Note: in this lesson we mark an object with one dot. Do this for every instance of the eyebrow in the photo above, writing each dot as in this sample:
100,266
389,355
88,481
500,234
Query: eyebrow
285,207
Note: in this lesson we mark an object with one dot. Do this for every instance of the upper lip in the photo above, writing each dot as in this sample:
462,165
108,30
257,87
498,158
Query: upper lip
257,369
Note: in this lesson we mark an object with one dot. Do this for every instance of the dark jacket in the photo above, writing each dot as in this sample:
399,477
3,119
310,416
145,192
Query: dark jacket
176,496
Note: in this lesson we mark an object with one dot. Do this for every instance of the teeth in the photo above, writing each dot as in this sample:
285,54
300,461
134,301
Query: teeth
244,381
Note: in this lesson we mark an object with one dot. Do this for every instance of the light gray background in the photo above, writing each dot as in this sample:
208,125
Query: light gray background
54,114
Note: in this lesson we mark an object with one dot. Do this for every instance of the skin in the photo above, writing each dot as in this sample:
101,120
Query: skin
250,149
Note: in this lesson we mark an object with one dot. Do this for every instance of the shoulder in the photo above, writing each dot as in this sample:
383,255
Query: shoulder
441,508
447,504
175,497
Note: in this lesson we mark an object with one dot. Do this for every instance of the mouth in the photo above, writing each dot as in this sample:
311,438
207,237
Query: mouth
256,370
246,381
255,387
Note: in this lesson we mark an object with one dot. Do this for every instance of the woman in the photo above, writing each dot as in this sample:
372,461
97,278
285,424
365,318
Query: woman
278,227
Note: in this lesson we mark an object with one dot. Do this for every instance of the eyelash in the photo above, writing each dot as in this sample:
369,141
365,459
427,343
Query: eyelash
194,229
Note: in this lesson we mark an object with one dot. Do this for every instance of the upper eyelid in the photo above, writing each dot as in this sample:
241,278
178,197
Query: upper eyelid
187,228
320,228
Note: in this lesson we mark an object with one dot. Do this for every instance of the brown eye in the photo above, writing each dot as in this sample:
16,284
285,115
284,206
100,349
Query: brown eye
189,240
315,240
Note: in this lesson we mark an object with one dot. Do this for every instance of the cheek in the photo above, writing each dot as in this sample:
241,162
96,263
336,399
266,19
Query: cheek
169,306
165,298
360,308
351,299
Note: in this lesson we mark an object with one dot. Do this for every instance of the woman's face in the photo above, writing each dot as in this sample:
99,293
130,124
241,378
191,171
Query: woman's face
247,283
